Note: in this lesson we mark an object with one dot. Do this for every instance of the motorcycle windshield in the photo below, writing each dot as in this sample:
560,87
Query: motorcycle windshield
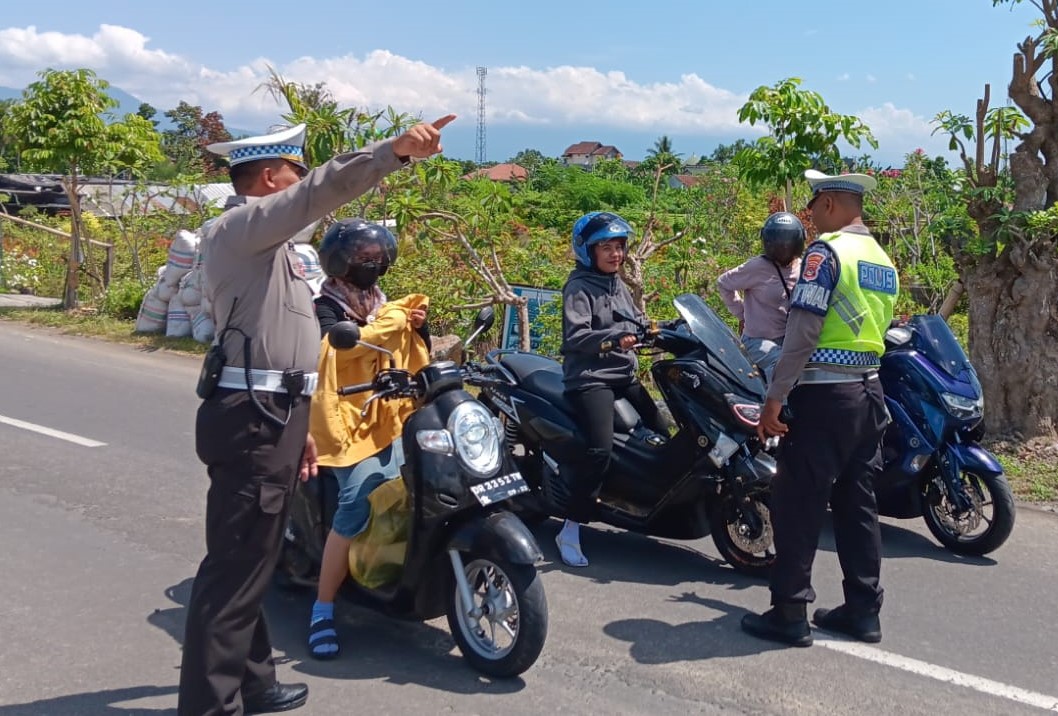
723,348
934,339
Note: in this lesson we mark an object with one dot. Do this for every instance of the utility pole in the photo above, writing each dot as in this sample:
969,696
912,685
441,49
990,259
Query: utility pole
480,153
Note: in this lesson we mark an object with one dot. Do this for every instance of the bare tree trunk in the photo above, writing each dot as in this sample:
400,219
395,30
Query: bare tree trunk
1013,324
73,262
524,335
951,300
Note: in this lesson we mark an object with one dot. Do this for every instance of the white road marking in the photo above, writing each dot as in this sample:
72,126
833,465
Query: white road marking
51,432
940,673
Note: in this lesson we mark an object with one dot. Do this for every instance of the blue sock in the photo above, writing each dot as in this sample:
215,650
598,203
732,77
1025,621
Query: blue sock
321,611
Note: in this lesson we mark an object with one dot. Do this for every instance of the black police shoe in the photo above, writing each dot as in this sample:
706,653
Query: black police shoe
278,697
861,625
784,623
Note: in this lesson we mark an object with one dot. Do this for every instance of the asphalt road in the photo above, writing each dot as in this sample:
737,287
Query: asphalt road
98,545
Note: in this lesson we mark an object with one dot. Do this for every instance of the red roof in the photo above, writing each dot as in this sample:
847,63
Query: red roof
500,172
582,148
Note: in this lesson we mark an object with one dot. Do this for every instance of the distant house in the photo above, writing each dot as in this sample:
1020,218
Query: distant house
683,181
500,172
586,154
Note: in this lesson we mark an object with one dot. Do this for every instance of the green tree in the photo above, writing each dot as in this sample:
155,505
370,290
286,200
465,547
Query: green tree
725,153
661,158
64,125
194,130
8,150
531,159
1005,250
148,112
802,133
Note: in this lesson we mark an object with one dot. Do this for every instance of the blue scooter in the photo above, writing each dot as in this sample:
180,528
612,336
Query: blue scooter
934,464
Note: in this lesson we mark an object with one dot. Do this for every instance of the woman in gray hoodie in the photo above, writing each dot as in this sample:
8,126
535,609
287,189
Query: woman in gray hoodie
598,364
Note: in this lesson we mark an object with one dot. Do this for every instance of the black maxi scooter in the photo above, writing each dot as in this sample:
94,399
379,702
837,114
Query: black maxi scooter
711,476
467,557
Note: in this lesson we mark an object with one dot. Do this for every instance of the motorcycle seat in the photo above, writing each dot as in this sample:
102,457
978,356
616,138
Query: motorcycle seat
543,377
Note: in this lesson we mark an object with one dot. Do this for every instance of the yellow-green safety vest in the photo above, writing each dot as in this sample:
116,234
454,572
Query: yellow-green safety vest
861,306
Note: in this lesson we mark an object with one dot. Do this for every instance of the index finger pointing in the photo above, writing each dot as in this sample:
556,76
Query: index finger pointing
443,121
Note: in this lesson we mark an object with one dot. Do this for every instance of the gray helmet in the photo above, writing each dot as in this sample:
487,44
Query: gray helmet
783,237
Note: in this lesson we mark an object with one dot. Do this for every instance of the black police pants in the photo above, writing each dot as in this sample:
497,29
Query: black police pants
831,453
253,466
593,410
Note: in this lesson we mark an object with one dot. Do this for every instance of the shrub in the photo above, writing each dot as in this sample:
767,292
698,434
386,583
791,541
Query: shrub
123,298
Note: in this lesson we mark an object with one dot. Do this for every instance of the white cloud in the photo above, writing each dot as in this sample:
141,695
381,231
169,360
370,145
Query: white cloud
871,79
516,95
843,77
901,130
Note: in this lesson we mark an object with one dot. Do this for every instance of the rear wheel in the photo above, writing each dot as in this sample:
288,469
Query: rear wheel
506,631
978,530
743,533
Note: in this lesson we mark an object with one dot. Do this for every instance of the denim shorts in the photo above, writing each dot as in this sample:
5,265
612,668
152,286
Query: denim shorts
356,482
765,353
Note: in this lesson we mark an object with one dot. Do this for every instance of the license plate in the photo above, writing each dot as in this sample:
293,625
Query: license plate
500,488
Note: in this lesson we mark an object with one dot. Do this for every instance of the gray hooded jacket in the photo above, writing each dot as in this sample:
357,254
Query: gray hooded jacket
589,301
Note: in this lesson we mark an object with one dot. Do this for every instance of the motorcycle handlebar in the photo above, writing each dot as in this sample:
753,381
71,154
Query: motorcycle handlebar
355,388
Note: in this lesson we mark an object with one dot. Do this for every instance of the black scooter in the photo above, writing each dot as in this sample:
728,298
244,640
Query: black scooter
711,476
467,556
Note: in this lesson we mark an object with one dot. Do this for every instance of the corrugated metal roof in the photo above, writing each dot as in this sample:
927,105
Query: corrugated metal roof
120,198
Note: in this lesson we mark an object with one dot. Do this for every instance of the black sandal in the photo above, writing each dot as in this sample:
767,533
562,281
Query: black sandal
321,634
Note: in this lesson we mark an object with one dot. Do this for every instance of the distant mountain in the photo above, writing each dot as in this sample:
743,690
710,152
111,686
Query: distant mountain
128,104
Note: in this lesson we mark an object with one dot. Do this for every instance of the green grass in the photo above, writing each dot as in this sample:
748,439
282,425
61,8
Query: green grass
96,325
1033,478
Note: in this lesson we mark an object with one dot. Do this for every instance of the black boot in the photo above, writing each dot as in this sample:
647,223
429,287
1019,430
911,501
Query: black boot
863,625
278,697
786,622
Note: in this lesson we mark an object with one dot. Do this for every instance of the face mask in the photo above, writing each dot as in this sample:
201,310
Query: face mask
363,276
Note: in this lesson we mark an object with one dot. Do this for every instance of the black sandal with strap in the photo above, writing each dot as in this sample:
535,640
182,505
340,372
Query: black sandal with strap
323,633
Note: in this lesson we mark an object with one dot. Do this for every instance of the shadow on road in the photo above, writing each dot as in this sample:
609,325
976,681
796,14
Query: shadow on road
652,641
633,558
373,646
97,702
901,543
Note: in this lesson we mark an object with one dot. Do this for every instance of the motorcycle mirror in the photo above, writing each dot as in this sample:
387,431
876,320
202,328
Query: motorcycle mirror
344,335
482,322
485,319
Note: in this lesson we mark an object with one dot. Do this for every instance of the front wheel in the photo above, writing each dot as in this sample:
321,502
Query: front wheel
506,631
978,530
743,533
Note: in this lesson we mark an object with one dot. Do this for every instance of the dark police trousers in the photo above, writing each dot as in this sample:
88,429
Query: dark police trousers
593,411
831,453
253,466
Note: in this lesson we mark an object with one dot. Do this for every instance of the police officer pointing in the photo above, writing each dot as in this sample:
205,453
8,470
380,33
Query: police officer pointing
831,450
252,426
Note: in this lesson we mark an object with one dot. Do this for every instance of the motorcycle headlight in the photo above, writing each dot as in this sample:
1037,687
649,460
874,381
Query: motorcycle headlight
476,437
962,407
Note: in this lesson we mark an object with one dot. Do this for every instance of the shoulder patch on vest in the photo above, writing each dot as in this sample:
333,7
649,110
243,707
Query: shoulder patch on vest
875,277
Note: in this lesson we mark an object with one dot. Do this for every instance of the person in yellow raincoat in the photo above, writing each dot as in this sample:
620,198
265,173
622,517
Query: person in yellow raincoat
362,452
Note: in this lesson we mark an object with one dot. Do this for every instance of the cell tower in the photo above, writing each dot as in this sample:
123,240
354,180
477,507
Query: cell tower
480,153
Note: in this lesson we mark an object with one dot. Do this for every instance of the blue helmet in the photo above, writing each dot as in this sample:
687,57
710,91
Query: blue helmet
594,228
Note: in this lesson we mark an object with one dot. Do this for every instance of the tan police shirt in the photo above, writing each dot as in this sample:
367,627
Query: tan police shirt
252,272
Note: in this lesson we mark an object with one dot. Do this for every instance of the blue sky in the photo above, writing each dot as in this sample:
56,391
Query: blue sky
558,72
